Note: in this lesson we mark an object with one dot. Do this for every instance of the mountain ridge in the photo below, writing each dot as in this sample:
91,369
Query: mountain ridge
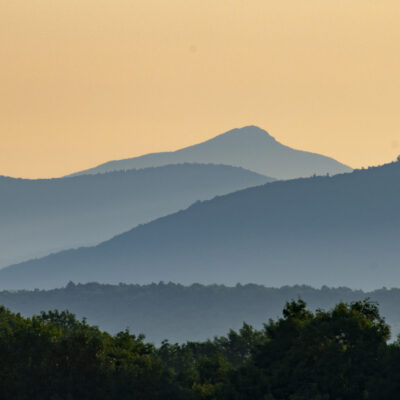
42,216
339,231
249,147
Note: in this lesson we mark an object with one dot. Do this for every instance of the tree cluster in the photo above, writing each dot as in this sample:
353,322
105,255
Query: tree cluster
341,354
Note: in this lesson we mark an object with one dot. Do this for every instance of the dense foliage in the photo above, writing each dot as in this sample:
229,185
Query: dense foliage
326,355
187,313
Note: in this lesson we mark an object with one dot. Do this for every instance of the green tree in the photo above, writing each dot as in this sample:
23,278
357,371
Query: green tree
305,356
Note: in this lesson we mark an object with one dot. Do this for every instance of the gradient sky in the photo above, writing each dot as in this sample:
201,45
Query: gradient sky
87,81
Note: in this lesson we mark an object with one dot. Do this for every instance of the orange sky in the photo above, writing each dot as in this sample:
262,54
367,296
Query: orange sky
86,81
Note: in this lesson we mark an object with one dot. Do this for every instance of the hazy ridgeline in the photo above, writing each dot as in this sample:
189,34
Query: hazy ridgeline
249,147
38,217
181,313
339,231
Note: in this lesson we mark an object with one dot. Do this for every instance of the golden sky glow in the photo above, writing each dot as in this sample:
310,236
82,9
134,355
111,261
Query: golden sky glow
87,81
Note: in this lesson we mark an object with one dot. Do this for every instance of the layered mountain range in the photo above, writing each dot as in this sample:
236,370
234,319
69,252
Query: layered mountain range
41,216
340,230
249,147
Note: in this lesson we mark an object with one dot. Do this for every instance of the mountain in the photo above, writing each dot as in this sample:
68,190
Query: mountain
339,231
249,147
181,313
38,217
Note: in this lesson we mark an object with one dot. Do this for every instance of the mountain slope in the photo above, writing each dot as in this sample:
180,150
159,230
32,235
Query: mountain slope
341,230
249,147
41,216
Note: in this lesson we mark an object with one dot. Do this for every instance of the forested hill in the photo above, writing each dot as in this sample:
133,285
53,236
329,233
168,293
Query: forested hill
340,353
38,217
340,230
249,147
181,313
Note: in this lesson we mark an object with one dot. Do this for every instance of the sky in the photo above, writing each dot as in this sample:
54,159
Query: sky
87,81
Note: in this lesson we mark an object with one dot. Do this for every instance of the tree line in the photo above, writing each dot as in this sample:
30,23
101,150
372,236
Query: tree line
343,353
187,313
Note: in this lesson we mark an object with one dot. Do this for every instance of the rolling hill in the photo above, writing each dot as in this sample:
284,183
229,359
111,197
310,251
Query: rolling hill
339,231
250,147
38,217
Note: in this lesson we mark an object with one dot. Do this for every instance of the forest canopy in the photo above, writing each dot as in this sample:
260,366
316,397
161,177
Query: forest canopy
342,353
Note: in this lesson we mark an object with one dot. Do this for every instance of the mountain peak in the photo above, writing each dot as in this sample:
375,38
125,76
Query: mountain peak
249,147
249,130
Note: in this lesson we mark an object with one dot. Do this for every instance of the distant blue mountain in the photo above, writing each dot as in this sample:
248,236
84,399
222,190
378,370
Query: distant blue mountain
38,217
340,230
249,147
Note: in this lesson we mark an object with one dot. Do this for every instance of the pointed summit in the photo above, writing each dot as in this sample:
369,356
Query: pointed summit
252,130
249,131
249,147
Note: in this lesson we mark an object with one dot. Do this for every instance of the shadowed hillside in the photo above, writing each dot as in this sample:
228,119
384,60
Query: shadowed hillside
42,216
341,230
249,147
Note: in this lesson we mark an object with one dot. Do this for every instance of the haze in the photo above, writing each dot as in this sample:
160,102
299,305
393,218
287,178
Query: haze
83,82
